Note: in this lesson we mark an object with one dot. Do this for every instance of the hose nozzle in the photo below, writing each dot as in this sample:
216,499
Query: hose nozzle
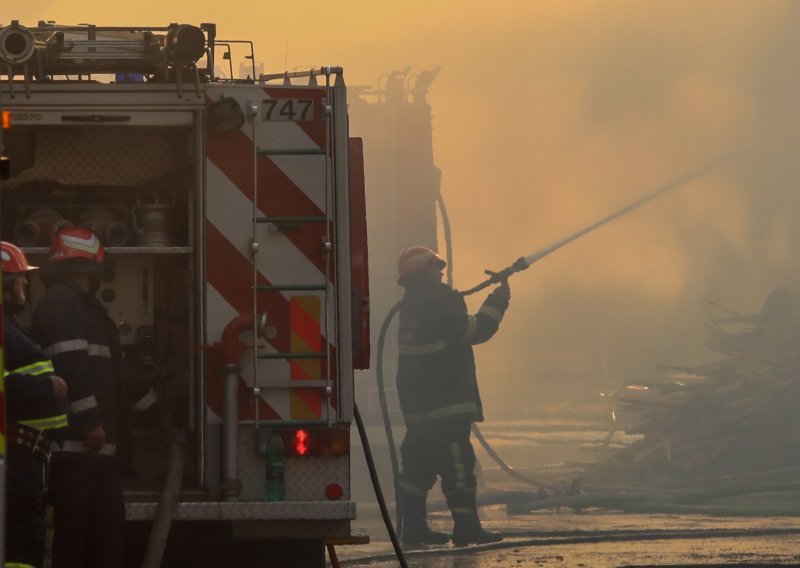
497,277
503,276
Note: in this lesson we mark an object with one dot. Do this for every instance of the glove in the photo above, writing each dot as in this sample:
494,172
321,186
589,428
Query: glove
500,297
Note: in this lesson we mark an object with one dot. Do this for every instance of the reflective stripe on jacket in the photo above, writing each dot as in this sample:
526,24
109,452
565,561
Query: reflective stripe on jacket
76,332
436,369
29,390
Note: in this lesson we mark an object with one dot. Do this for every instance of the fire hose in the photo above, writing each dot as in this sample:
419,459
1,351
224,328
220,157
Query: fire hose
522,263
168,502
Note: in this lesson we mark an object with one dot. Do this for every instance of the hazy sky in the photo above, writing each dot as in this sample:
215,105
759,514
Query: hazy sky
551,114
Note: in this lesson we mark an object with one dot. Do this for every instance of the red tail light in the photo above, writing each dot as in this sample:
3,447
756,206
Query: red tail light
301,442
334,491
316,441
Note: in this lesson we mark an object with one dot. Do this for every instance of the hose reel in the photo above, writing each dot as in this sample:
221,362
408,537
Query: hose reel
17,44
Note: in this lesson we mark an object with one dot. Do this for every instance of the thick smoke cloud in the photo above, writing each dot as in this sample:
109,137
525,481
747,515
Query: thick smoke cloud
550,115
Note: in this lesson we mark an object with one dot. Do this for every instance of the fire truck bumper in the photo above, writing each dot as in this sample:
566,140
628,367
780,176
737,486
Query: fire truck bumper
249,511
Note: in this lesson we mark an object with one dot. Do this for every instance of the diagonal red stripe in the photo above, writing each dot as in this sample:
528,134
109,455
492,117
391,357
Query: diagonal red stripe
231,275
229,272
232,153
306,325
278,196
312,399
297,371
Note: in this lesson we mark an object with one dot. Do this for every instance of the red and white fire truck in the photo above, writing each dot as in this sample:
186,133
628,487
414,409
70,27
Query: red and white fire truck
233,215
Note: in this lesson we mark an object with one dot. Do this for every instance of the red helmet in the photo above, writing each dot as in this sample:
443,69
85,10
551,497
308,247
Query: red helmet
415,258
76,242
14,260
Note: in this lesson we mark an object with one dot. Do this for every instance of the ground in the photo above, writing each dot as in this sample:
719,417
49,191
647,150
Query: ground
598,539
554,445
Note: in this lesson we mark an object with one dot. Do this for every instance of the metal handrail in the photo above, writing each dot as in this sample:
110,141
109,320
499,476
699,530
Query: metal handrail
296,74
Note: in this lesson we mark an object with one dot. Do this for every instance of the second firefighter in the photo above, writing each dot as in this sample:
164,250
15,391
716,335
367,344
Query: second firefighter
438,391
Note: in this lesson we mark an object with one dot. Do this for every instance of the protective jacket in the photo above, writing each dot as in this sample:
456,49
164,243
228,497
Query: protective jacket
436,368
34,415
82,341
28,386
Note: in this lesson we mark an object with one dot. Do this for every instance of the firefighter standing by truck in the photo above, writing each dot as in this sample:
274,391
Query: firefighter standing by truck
36,410
439,397
76,332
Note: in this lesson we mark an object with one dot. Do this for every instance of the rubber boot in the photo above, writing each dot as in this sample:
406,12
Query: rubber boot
416,531
466,524
467,530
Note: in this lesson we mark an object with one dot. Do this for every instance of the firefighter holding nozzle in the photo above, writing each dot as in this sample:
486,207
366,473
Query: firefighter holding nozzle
36,403
438,391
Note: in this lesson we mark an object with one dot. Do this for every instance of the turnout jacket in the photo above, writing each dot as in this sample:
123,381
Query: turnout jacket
436,369
31,401
75,331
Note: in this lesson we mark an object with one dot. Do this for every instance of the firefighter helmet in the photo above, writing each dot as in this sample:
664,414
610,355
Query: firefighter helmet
415,258
76,243
14,260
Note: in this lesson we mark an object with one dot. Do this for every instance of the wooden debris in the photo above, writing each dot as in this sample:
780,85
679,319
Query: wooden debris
738,416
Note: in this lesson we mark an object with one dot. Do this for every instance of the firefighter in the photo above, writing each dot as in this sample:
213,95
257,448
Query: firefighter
83,343
439,397
36,410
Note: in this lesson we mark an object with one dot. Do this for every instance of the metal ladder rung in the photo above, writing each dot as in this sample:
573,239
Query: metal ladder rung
291,220
286,423
293,152
291,287
296,384
307,355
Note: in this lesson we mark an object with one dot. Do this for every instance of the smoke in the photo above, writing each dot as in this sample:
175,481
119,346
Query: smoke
550,115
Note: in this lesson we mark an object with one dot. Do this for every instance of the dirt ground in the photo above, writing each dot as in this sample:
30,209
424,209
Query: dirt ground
554,446
596,539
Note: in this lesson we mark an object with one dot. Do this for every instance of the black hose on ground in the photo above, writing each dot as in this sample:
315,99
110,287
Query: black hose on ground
376,485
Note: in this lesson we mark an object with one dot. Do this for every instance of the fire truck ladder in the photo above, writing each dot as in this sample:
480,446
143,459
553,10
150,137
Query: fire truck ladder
323,385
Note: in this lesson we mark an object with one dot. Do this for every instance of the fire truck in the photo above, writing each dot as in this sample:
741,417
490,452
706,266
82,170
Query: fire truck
232,211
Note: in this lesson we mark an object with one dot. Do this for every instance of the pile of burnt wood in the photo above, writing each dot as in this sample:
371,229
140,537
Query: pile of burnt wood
738,418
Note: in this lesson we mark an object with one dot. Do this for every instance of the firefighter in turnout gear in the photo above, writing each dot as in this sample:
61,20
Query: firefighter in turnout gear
83,342
36,410
439,396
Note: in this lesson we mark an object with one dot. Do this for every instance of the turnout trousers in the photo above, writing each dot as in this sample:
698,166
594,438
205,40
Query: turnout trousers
25,507
88,514
440,448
